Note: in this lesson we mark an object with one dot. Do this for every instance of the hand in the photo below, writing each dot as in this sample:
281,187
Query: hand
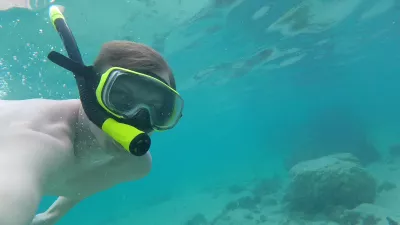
56,211
42,219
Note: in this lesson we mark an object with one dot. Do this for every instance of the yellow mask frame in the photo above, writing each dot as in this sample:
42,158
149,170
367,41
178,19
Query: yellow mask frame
106,75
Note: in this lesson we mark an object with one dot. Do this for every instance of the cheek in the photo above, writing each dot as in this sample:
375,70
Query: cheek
94,129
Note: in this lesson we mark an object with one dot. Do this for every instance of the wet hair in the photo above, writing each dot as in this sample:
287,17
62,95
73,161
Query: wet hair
136,57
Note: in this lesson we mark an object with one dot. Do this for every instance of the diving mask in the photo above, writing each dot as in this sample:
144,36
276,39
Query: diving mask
125,93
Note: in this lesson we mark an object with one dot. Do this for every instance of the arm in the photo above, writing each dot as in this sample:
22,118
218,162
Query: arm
20,195
56,211
9,4
31,5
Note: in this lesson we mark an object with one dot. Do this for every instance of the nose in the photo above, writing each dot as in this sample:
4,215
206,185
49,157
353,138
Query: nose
142,121
143,114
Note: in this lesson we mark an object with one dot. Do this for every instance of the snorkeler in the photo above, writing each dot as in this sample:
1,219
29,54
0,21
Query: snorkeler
76,148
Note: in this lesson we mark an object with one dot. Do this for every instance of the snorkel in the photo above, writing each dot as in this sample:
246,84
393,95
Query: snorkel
132,139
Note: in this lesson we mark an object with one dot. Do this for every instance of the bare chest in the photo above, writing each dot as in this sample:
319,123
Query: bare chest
94,171
44,148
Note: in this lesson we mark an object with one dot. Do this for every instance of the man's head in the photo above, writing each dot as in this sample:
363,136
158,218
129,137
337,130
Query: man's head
127,81
127,93
128,90
136,57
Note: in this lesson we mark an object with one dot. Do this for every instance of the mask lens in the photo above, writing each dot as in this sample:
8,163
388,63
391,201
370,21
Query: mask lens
130,93
124,93
169,114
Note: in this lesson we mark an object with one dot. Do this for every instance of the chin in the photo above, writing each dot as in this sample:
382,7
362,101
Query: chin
115,146
111,144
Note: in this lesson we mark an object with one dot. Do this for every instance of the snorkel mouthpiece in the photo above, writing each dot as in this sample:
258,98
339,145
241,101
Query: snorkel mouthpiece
132,139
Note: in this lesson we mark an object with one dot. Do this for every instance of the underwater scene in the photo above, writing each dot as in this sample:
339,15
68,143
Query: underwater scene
291,108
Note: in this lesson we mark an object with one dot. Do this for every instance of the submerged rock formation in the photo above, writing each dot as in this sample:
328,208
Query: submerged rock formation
323,185
368,214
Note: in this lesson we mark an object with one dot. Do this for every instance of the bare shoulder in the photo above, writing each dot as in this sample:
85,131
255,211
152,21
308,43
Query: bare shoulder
41,103
38,134
33,110
51,106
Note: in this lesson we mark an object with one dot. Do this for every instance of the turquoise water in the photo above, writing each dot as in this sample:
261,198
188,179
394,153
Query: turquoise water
254,91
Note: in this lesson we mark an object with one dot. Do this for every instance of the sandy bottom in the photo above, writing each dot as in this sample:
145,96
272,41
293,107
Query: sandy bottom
219,205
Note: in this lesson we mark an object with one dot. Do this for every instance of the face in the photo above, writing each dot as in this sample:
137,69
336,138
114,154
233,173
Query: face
126,93
143,101
103,140
128,90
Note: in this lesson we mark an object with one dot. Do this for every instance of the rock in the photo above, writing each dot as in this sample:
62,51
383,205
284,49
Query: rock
368,214
331,182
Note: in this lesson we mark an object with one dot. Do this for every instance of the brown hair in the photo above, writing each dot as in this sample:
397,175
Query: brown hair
136,57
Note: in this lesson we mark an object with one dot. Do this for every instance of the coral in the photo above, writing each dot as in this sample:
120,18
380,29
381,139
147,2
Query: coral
320,185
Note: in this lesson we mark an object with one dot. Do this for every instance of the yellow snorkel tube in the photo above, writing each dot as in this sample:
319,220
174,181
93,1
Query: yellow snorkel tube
132,139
